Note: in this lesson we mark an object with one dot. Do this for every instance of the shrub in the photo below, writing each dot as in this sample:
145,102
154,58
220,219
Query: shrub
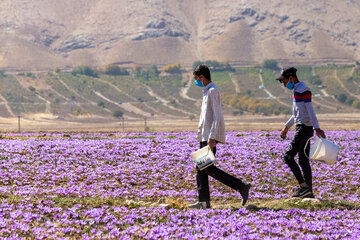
173,68
214,65
101,104
118,113
115,70
315,80
341,97
349,101
84,70
271,64
2,74
32,89
30,74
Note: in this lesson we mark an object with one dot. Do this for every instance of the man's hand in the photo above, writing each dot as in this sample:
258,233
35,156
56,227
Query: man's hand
212,144
320,133
284,132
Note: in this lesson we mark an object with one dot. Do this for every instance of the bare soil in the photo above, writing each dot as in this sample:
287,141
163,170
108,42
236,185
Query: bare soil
47,122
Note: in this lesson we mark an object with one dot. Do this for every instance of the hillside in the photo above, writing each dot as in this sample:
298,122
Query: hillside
42,35
148,92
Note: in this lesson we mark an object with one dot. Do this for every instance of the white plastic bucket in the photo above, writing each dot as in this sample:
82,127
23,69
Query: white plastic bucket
203,157
324,150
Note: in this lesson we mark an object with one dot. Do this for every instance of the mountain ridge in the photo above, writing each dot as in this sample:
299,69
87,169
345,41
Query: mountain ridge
48,34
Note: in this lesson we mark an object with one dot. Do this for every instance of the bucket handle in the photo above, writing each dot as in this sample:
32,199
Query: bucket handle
306,147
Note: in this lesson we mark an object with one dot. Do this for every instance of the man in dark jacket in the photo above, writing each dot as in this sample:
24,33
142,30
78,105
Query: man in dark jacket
306,122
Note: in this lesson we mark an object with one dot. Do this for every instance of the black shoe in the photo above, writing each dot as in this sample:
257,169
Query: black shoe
244,191
310,196
200,205
303,192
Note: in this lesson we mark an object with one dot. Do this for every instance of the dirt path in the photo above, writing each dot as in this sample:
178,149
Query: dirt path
269,93
324,92
127,106
73,91
236,84
8,108
185,89
343,86
164,101
47,103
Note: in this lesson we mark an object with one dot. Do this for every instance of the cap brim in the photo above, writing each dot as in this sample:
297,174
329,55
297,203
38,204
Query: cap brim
281,77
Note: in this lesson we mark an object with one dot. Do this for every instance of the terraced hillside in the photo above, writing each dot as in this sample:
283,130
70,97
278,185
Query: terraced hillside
148,93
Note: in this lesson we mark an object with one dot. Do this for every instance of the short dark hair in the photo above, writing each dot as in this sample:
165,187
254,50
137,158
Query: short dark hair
202,70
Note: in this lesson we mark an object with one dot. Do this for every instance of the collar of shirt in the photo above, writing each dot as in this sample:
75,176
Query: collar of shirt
297,85
207,87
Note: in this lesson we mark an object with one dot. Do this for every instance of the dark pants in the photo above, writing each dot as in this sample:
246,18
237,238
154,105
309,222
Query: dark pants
298,145
203,180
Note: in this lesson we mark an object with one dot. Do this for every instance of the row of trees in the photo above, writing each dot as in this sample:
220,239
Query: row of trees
214,65
110,69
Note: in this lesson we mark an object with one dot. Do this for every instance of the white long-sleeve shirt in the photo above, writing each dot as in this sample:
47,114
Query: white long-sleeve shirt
303,111
211,124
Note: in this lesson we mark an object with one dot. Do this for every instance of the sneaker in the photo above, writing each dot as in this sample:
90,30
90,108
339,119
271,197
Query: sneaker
303,192
311,195
200,205
244,191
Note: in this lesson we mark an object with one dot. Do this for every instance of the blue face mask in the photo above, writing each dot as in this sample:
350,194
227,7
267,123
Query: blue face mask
290,85
199,83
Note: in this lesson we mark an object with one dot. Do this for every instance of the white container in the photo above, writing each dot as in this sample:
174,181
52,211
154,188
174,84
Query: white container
324,150
203,157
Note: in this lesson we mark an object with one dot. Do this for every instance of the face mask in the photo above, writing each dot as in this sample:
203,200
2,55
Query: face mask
199,83
290,85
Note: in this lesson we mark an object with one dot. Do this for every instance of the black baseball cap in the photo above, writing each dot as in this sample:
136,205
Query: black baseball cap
286,73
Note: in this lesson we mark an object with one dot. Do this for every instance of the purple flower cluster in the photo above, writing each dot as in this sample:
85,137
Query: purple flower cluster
55,185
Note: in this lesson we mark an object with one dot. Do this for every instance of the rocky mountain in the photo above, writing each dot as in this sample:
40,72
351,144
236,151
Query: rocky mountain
44,34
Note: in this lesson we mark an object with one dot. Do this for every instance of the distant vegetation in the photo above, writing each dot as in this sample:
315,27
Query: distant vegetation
214,65
104,91
85,70
245,103
271,64
115,70
173,68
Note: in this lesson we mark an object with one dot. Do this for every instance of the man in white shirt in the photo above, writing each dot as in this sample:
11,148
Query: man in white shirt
306,122
211,131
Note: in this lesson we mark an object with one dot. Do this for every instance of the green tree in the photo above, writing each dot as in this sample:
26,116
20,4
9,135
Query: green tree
118,113
271,64
84,70
101,104
341,97
115,70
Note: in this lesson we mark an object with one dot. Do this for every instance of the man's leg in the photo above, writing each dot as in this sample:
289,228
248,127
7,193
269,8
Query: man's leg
202,181
291,152
304,158
224,178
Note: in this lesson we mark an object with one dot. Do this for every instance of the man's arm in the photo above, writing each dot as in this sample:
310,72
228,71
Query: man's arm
288,125
216,108
315,123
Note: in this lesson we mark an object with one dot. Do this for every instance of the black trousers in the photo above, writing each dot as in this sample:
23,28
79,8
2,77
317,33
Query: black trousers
202,179
298,145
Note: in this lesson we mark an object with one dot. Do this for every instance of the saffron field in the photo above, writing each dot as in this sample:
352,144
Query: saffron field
137,186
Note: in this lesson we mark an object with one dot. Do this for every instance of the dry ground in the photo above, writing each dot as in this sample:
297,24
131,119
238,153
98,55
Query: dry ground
43,122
